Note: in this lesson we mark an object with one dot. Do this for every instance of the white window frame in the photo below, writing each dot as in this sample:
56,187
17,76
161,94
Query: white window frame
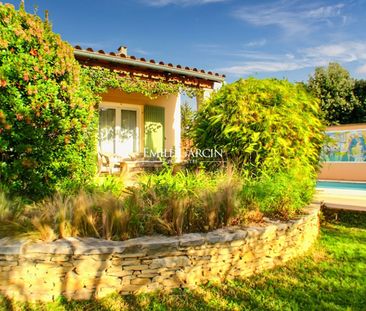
119,107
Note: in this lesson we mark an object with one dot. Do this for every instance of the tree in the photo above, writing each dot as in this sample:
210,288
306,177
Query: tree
47,115
334,86
263,126
359,113
187,119
187,116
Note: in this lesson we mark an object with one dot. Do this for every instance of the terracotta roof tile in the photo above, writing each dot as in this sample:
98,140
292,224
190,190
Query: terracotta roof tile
113,54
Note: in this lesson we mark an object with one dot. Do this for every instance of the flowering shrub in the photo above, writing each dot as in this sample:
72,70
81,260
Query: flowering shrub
47,114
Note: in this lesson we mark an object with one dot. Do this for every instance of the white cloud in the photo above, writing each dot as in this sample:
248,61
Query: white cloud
255,67
256,43
342,52
180,2
326,11
362,69
292,16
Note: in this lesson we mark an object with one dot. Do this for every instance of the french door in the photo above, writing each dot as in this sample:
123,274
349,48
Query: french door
118,131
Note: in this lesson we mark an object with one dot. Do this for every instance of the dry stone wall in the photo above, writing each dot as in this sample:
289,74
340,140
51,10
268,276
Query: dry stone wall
82,268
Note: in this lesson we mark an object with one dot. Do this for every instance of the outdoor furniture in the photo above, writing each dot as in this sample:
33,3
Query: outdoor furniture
109,163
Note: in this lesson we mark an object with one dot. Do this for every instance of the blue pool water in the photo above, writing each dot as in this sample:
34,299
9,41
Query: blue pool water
340,185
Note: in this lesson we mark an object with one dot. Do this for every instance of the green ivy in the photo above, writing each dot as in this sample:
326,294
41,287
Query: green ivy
103,79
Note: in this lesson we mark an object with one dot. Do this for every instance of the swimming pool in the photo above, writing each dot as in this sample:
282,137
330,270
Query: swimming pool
340,185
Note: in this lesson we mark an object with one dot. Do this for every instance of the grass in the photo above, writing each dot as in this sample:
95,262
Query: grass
332,276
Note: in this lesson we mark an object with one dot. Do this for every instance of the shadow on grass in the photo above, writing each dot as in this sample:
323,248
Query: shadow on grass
350,219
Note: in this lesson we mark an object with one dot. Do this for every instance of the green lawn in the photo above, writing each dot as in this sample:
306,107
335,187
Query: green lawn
331,277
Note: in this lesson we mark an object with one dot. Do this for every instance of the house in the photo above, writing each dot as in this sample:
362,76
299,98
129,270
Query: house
132,124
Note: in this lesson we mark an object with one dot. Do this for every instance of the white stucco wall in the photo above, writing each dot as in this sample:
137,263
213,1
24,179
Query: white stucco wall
206,93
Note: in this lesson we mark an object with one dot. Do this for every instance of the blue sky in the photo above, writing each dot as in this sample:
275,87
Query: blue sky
283,39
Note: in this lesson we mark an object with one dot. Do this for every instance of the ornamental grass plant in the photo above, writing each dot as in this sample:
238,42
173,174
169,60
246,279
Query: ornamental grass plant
160,203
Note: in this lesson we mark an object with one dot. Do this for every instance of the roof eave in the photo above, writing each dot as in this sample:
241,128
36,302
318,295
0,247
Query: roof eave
137,63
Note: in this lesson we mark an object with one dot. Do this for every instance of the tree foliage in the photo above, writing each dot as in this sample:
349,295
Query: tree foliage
263,126
334,86
359,113
47,115
187,117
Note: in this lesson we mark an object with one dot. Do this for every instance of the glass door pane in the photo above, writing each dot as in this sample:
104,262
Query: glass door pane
107,125
127,138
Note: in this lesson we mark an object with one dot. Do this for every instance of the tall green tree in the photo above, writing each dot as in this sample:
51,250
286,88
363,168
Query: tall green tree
187,121
334,87
187,116
359,113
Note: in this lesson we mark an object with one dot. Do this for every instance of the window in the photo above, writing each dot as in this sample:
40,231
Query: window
118,131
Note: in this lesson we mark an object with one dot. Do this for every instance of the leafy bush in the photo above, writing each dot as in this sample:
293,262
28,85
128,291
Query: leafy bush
106,184
283,194
263,126
271,131
47,115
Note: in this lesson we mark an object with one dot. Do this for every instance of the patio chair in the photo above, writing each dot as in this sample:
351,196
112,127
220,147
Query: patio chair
107,163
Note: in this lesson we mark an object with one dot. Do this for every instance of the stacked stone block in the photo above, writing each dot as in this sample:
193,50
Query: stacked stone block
83,268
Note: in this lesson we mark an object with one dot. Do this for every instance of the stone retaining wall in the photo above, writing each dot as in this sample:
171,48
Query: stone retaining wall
81,268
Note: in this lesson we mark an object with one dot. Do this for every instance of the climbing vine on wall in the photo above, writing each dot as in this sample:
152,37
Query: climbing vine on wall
102,79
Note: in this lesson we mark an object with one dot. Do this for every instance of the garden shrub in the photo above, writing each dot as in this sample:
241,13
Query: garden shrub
263,126
271,131
283,194
47,115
